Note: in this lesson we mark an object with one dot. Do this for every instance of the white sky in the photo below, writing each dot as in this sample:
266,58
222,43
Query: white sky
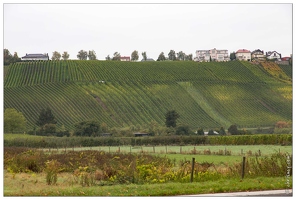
154,28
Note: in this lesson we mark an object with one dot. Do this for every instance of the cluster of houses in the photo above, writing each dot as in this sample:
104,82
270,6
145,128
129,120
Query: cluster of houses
218,55
241,54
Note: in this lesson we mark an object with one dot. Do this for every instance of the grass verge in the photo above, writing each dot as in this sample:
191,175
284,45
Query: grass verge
24,184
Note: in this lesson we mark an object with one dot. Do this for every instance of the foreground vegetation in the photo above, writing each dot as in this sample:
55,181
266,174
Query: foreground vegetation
79,169
24,184
138,94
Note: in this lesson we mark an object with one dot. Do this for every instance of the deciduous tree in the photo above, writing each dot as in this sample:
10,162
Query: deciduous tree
56,56
14,120
108,58
82,55
172,55
181,55
87,128
116,56
135,55
65,55
92,55
161,57
144,55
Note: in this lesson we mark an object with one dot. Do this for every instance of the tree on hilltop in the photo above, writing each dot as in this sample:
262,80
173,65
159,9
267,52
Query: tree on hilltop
161,57
8,58
92,55
116,56
172,55
82,55
135,55
144,55
181,55
65,55
56,56
232,56
108,57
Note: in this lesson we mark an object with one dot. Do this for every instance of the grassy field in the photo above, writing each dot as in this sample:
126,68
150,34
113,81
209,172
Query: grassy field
24,184
237,150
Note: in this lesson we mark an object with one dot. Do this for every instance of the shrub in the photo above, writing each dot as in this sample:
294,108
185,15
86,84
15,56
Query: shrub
52,170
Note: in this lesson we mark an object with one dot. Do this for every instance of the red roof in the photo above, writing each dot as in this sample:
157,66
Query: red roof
243,51
285,58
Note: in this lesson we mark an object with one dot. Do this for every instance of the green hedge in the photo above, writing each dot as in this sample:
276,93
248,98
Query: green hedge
69,142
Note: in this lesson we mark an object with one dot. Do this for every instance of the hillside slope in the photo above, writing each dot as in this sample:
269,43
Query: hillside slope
207,95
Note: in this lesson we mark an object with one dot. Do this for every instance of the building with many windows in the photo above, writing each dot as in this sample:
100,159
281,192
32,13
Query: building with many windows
243,54
211,55
258,55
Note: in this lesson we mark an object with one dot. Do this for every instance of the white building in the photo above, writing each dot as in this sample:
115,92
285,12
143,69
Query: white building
273,55
36,57
213,54
243,54
125,58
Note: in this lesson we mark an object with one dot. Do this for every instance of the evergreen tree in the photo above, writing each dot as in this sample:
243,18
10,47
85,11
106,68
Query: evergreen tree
46,117
171,118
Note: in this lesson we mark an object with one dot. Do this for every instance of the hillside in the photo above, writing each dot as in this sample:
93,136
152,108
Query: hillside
207,95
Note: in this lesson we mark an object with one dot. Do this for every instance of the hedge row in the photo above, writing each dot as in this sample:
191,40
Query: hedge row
69,142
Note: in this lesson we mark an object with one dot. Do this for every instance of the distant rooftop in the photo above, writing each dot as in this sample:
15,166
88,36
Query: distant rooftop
36,55
243,51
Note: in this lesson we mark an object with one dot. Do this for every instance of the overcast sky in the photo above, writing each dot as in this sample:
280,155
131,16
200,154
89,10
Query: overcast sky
153,28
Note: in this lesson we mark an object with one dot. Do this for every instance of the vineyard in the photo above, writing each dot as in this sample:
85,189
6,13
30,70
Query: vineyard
120,94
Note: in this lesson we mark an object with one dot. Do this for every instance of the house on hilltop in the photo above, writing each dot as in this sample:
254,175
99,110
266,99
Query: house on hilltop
36,57
258,55
212,54
243,54
125,58
273,55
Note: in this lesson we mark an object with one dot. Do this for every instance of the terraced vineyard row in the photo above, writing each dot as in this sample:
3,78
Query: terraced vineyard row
32,73
68,102
246,104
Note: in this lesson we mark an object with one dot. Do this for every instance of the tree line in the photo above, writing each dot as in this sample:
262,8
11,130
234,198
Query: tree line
15,122
91,55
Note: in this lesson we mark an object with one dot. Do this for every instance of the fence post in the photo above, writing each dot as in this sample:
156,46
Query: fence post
243,167
153,149
192,170
180,149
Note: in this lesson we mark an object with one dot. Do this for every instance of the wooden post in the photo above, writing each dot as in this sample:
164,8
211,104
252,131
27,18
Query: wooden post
118,149
259,152
180,149
192,170
243,167
153,149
